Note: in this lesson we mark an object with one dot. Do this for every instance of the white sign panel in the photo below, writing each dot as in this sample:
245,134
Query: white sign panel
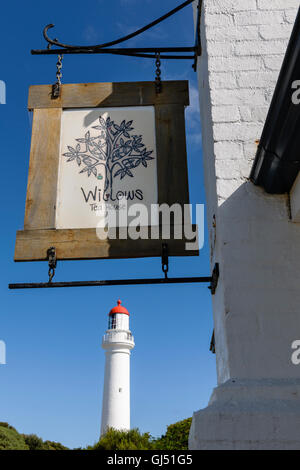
107,161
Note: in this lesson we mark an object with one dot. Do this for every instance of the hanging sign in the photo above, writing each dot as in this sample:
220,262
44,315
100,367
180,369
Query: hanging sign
99,152
108,156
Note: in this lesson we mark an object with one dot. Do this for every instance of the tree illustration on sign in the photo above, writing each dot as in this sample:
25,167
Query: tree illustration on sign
113,148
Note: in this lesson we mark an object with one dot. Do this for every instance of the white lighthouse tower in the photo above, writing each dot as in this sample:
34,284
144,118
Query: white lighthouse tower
117,342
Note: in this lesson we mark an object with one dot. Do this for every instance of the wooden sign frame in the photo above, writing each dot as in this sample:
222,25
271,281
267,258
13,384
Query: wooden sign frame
39,232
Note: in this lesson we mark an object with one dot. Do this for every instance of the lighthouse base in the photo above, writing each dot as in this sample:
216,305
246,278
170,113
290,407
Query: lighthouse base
249,414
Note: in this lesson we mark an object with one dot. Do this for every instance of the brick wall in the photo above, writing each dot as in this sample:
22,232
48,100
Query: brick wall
256,307
245,41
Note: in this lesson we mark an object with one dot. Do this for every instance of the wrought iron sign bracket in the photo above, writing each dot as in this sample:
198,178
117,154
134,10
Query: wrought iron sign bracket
198,46
213,280
179,53
212,346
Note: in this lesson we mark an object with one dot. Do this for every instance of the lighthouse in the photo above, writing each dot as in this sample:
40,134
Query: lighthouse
117,342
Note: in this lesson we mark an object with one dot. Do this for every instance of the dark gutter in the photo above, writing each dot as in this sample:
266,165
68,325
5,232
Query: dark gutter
277,161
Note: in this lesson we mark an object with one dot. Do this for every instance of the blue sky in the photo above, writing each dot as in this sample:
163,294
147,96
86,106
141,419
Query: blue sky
52,383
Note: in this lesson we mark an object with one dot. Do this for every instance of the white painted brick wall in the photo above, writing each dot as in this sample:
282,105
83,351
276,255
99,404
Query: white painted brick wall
290,16
237,33
223,80
229,170
240,96
244,42
228,150
280,32
249,149
240,131
256,79
225,114
253,114
259,18
215,6
220,49
260,47
273,62
219,19
276,4
232,64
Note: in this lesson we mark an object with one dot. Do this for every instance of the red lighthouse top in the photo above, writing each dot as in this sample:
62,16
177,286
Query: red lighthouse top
119,309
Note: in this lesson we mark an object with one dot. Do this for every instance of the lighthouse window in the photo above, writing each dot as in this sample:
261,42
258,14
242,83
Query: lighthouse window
112,322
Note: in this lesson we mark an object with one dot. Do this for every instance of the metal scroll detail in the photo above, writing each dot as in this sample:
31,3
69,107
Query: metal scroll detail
149,52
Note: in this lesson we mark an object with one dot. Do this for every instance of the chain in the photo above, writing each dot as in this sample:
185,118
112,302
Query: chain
52,262
56,87
165,260
158,84
59,67
51,274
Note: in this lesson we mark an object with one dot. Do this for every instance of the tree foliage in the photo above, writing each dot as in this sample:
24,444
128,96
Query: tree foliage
51,445
123,440
176,437
10,439
33,442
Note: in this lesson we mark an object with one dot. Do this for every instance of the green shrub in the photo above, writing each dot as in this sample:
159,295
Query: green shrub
6,425
123,440
176,437
34,442
50,445
10,439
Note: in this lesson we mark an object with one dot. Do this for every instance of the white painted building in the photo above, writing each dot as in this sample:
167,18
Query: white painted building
256,308
117,342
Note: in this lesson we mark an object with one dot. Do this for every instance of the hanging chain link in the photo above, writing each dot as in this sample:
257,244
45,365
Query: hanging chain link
52,262
51,274
158,84
56,87
165,259
59,67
